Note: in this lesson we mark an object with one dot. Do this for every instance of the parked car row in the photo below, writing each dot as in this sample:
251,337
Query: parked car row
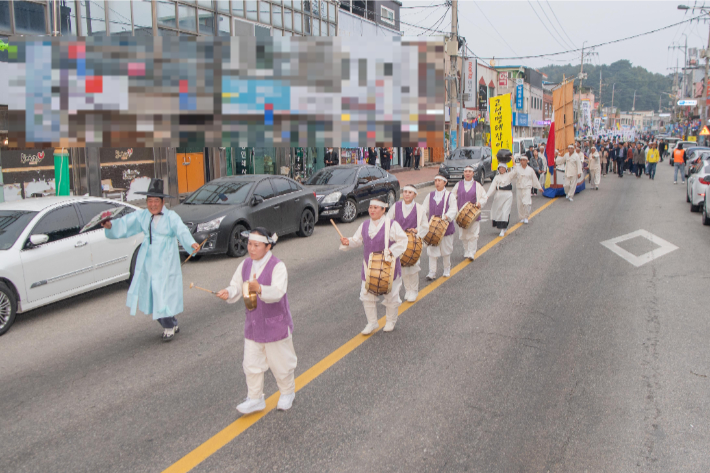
479,157
44,258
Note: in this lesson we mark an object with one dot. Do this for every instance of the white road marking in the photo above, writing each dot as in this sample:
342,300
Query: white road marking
665,247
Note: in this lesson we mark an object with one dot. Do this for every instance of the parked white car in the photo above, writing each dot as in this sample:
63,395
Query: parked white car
44,258
697,185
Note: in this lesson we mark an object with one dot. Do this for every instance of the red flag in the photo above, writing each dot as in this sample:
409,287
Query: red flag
550,149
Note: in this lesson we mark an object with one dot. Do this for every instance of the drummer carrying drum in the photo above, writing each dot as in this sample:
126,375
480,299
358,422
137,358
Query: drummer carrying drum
441,209
411,217
372,235
469,191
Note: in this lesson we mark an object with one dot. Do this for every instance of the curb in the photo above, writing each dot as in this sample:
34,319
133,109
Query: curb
422,184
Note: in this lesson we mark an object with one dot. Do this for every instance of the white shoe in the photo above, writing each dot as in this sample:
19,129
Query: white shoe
675,182
447,273
502,233
285,401
525,220
369,328
252,405
411,297
389,326
431,276
571,200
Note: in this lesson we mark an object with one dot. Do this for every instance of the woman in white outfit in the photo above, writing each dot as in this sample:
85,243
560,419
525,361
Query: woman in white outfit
472,191
441,203
502,189
595,167
525,179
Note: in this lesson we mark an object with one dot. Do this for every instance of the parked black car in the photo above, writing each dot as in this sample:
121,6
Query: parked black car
222,209
480,157
345,191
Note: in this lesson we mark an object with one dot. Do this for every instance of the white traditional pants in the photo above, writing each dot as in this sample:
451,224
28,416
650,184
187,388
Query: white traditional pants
595,176
410,278
443,250
469,238
279,356
570,186
524,202
391,301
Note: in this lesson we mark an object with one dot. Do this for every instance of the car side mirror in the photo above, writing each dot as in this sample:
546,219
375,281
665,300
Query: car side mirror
362,182
256,200
40,239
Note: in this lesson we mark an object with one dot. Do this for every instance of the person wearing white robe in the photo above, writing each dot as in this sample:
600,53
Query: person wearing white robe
391,300
526,179
446,246
502,188
469,236
573,171
410,274
595,167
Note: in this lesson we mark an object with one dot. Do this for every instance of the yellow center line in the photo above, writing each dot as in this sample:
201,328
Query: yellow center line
229,433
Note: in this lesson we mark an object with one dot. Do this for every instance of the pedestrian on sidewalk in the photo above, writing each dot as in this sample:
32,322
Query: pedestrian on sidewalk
379,234
268,328
679,159
469,190
385,158
156,288
662,148
595,167
639,160
526,179
653,158
441,203
411,217
417,158
371,156
620,158
502,189
330,158
573,170
407,157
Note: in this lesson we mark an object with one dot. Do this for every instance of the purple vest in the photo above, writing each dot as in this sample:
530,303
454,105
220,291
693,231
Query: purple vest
462,197
268,322
376,244
405,223
439,210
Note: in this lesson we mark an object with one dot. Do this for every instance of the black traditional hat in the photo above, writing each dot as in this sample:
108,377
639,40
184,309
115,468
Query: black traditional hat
155,189
504,156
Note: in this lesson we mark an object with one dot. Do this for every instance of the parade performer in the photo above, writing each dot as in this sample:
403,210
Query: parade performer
472,191
156,287
410,215
573,170
502,188
595,167
441,203
371,235
268,328
526,180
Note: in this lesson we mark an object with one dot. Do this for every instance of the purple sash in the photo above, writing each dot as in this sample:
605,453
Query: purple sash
376,245
268,322
439,210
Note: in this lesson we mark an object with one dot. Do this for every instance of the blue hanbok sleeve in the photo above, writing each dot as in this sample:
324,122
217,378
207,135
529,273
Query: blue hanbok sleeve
125,227
182,232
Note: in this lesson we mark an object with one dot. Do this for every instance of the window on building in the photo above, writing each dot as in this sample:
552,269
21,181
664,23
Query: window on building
186,18
276,16
331,12
93,18
119,18
30,18
297,23
142,18
223,25
387,15
206,21
67,17
297,5
166,14
238,8
5,16
223,6
205,4
288,19
316,27
265,13
252,12
331,30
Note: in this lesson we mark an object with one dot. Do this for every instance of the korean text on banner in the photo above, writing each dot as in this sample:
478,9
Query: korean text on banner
501,127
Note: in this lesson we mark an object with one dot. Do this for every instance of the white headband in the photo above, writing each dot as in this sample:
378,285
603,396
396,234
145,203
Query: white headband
253,236
378,203
469,167
442,178
502,165
411,189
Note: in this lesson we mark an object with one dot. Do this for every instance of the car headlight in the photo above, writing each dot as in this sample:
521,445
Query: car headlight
209,226
332,198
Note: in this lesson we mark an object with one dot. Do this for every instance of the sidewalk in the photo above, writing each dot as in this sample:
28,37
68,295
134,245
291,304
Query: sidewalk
422,178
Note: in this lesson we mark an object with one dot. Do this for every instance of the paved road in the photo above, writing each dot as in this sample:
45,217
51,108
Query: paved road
548,353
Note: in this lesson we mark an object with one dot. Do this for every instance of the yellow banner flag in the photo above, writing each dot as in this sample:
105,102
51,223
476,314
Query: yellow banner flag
501,127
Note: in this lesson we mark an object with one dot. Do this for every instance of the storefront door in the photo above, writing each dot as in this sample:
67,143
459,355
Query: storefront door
191,171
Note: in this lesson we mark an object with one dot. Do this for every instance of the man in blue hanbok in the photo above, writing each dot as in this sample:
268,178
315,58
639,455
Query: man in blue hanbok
157,279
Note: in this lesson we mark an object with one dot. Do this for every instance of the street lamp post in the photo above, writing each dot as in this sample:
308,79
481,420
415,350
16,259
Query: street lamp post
706,53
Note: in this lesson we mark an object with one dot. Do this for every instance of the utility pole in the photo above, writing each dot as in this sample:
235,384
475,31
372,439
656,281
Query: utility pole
600,94
704,116
459,134
613,123
453,87
633,109
579,90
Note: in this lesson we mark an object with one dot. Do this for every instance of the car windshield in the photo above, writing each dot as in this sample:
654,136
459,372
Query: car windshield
331,176
220,192
12,222
465,153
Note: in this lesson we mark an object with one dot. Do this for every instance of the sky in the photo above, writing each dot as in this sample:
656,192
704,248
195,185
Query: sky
483,23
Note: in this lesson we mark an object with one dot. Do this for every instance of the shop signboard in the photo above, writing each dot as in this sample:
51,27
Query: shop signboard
519,95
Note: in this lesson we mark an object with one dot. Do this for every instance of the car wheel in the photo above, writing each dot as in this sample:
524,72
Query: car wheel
706,220
237,244
308,223
391,198
8,308
349,211
687,196
133,265
480,177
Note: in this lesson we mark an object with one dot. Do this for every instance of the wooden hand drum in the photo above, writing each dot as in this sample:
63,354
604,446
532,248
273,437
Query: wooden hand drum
467,215
379,274
249,297
413,251
437,228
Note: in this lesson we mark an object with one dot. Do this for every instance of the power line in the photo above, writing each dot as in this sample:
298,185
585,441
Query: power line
494,29
426,6
558,22
567,45
601,44
543,24
436,24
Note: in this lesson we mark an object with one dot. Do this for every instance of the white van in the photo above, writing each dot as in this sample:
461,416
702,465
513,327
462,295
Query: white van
521,145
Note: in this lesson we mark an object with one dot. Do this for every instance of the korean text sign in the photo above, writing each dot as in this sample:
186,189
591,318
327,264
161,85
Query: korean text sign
501,127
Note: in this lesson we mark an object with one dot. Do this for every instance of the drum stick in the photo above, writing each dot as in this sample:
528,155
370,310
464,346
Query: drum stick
336,228
195,252
192,286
